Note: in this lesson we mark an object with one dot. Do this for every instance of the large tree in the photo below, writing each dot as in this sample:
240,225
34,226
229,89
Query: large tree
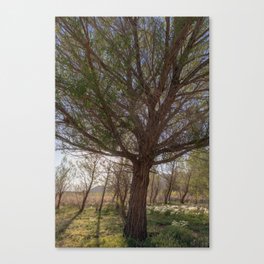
134,87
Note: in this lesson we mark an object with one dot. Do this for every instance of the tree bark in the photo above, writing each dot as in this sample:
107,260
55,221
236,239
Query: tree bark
136,221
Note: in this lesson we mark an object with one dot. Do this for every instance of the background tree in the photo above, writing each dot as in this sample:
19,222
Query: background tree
135,88
154,186
106,179
199,182
121,184
87,174
63,181
184,188
170,180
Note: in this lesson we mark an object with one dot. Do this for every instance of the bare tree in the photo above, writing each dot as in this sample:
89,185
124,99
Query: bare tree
135,88
62,182
88,172
104,188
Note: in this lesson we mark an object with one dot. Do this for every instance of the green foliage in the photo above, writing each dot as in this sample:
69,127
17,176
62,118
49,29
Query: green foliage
199,166
178,236
108,70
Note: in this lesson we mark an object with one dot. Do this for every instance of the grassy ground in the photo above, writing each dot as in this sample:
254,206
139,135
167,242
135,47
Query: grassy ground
168,226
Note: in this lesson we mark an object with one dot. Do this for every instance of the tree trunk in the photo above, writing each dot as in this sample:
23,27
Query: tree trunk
156,192
167,194
186,189
59,201
103,194
122,205
183,197
114,196
166,198
86,195
84,201
196,198
136,221
117,205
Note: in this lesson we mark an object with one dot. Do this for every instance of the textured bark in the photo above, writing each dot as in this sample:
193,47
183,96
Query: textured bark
136,221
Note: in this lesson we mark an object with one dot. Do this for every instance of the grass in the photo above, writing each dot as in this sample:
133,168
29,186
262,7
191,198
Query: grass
166,228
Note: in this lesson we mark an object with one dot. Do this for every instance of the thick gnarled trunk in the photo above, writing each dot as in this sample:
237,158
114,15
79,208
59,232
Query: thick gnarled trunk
136,221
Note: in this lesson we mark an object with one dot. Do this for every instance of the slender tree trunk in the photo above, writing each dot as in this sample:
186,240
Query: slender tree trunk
183,197
84,200
122,209
86,195
123,204
156,192
103,195
196,198
136,221
166,198
59,200
117,205
169,196
114,196
186,189
155,196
